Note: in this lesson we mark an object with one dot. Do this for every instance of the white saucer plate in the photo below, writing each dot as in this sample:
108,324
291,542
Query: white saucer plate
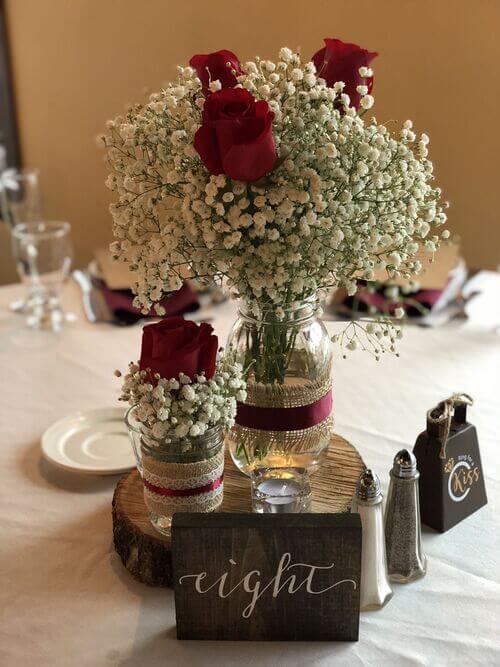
93,442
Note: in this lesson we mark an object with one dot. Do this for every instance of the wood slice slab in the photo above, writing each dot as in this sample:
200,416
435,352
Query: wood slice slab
146,554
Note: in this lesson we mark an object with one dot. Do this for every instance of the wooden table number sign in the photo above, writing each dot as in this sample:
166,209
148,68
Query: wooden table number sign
267,577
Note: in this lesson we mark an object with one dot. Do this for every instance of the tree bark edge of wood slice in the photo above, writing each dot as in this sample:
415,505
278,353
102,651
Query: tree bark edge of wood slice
146,554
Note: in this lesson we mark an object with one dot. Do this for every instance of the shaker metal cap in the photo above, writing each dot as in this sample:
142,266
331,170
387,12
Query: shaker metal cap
405,464
368,487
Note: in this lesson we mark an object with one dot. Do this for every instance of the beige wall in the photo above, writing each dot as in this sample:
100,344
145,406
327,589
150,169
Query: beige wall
76,62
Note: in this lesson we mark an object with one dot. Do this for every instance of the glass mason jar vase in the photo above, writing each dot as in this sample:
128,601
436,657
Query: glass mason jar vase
179,475
286,419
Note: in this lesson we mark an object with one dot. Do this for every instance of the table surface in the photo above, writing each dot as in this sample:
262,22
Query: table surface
65,598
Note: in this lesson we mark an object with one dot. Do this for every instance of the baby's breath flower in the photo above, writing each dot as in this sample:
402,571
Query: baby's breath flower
347,195
286,54
367,101
174,408
215,85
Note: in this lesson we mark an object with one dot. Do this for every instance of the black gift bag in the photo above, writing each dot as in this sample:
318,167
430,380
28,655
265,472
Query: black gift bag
451,483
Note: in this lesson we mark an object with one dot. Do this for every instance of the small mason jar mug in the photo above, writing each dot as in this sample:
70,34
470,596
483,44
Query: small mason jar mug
178,474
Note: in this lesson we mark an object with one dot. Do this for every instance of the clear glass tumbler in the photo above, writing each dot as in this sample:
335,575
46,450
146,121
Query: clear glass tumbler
20,202
43,254
20,196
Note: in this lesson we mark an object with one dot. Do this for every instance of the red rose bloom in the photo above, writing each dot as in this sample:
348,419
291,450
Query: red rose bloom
340,61
212,66
175,345
235,137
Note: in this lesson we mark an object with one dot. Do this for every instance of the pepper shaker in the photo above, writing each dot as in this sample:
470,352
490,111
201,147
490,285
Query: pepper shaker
403,537
375,590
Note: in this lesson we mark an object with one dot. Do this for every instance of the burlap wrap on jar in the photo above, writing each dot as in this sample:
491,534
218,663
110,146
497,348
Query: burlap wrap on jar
289,420
171,487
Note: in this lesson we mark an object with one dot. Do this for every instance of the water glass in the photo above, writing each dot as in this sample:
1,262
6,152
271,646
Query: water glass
20,196
43,255
20,201
280,490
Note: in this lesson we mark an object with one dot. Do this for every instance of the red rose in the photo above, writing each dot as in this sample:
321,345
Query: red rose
340,61
212,66
175,345
235,137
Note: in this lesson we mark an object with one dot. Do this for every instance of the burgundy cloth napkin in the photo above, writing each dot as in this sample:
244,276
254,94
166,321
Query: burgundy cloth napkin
426,298
120,304
413,303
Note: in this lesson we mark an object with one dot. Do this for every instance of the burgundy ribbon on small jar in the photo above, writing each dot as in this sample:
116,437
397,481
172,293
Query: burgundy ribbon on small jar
184,493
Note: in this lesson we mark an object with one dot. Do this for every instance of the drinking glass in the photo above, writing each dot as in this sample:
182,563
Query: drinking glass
20,201
43,255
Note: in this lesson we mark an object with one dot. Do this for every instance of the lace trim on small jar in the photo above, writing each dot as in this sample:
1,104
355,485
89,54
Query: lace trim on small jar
161,505
200,500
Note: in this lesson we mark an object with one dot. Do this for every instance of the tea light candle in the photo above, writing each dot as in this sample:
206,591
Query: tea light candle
281,495
279,490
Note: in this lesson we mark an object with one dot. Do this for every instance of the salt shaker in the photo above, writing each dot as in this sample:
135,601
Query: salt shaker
403,538
375,589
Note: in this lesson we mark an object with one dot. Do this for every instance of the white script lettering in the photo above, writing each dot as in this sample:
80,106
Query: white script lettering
278,582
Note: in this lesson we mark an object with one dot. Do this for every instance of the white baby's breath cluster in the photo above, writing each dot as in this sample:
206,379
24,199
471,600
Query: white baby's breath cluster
179,408
375,336
347,195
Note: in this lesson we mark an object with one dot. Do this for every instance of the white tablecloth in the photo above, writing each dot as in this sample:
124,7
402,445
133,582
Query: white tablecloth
65,598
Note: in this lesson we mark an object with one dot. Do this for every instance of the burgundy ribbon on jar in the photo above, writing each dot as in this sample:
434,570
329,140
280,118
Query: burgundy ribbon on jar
285,419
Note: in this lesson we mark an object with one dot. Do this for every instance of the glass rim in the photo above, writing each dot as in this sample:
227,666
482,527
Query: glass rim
40,230
20,172
311,302
128,422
